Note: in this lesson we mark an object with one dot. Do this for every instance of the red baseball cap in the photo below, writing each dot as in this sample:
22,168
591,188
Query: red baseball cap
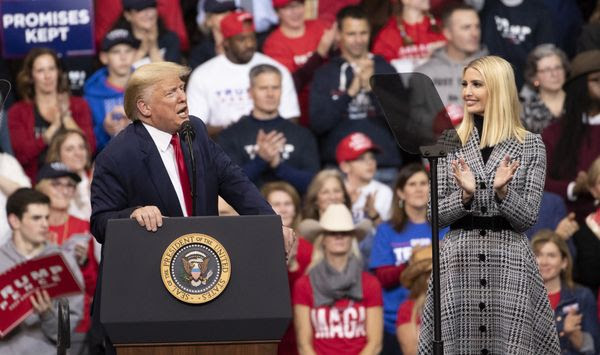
353,146
233,23
281,3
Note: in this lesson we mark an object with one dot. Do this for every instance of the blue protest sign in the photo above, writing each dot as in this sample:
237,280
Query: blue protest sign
67,26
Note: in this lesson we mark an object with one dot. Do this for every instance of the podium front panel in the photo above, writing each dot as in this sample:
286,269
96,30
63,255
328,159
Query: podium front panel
136,307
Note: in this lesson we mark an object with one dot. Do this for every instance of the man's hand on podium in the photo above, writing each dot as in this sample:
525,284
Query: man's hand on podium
289,241
149,217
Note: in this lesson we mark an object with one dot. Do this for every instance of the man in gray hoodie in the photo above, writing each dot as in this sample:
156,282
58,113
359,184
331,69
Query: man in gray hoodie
445,66
28,212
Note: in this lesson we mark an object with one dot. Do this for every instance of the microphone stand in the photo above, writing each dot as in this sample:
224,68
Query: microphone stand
188,133
433,153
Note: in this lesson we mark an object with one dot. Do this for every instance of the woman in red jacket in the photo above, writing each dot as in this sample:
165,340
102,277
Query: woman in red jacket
45,108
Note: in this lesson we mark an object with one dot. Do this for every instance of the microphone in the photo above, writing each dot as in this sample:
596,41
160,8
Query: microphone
186,130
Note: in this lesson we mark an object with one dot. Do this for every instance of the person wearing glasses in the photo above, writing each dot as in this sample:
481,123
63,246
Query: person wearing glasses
70,233
543,95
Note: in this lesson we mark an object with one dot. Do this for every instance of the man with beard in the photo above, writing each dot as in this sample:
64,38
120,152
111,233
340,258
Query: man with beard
218,89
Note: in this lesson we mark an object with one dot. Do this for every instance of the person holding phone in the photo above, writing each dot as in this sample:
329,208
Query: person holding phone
574,307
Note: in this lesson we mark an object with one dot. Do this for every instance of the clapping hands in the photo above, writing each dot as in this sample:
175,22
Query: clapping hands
464,178
504,175
270,145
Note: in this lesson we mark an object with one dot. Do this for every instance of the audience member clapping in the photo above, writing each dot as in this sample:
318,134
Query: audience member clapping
264,144
342,100
337,306
46,108
370,198
545,73
574,306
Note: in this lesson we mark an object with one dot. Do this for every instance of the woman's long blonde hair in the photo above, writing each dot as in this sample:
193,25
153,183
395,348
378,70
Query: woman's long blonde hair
502,109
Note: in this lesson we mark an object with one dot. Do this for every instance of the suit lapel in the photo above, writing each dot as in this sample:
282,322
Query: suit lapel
157,173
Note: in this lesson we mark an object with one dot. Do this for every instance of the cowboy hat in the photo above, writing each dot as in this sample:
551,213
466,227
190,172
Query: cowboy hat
585,63
420,262
336,218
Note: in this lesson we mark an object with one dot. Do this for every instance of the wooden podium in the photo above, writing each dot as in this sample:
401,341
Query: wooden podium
141,316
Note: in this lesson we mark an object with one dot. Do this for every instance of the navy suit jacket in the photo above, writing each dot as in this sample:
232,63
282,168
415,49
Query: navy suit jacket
129,173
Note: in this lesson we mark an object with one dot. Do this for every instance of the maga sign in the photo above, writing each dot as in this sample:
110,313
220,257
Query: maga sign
63,25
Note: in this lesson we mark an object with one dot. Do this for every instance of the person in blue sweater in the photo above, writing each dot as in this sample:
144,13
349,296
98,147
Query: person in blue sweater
394,242
265,145
104,90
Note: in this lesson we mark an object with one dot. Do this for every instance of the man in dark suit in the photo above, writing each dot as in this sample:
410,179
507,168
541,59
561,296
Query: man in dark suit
144,174
136,176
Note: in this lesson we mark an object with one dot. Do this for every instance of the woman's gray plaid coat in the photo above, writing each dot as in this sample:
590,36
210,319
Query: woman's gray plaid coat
493,298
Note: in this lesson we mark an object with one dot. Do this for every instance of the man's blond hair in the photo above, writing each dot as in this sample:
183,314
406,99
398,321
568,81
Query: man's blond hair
145,77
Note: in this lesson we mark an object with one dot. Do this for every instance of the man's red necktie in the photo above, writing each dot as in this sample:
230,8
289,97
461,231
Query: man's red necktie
183,176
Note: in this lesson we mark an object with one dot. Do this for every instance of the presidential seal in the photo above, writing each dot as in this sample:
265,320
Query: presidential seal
195,268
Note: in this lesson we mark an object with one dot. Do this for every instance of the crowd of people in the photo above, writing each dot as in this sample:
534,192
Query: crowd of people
283,88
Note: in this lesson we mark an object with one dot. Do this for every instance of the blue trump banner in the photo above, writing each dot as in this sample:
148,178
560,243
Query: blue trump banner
63,25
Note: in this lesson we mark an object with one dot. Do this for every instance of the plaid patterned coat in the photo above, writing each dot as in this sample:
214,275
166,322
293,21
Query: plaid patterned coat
493,298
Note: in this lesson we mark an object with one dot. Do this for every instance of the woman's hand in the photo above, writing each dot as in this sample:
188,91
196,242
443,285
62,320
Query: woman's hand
567,227
504,174
464,178
572,322
51,131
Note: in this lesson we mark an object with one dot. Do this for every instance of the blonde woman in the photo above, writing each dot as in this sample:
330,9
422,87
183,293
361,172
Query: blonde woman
326,187
337,306
493,298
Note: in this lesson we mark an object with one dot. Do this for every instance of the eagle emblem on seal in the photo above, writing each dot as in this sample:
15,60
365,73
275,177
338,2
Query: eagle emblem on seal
195,265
